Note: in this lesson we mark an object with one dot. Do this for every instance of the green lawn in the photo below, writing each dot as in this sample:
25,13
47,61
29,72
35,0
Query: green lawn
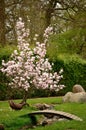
13,120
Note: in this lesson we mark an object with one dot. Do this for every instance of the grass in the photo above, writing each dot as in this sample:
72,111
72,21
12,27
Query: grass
13,120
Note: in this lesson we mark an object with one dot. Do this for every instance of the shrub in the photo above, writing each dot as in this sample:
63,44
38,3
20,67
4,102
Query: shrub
4,54
74,71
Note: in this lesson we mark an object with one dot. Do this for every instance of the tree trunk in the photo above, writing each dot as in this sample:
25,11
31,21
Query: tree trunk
2,22
48,12
25,98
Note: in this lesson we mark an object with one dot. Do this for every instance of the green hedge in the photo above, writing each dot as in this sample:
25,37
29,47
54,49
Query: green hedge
74,71
5,53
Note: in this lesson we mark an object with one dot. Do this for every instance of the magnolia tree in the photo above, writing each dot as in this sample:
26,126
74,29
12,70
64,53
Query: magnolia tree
28,66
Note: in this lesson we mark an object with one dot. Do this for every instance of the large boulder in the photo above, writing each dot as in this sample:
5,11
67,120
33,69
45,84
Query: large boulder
77,88
66,97
75,97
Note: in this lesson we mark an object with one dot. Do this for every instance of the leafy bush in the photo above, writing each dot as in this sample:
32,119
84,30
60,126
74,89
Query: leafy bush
5,52
71,41
74,70
64,50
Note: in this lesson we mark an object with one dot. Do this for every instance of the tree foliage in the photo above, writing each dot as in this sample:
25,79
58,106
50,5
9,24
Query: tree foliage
41,13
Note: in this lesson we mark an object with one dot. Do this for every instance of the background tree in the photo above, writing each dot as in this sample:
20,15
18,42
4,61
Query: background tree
41,14
2,22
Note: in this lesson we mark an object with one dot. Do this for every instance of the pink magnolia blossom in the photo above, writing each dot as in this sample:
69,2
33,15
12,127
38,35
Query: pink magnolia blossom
28,66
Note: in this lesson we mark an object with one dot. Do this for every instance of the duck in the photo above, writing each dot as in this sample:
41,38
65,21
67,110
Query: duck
16,106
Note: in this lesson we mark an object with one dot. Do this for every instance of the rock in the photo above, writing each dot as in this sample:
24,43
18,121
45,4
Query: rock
62,119
75,97
67,97
43,106
48,121
77,88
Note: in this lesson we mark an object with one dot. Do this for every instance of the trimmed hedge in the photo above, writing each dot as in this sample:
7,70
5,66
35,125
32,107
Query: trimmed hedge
74,71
